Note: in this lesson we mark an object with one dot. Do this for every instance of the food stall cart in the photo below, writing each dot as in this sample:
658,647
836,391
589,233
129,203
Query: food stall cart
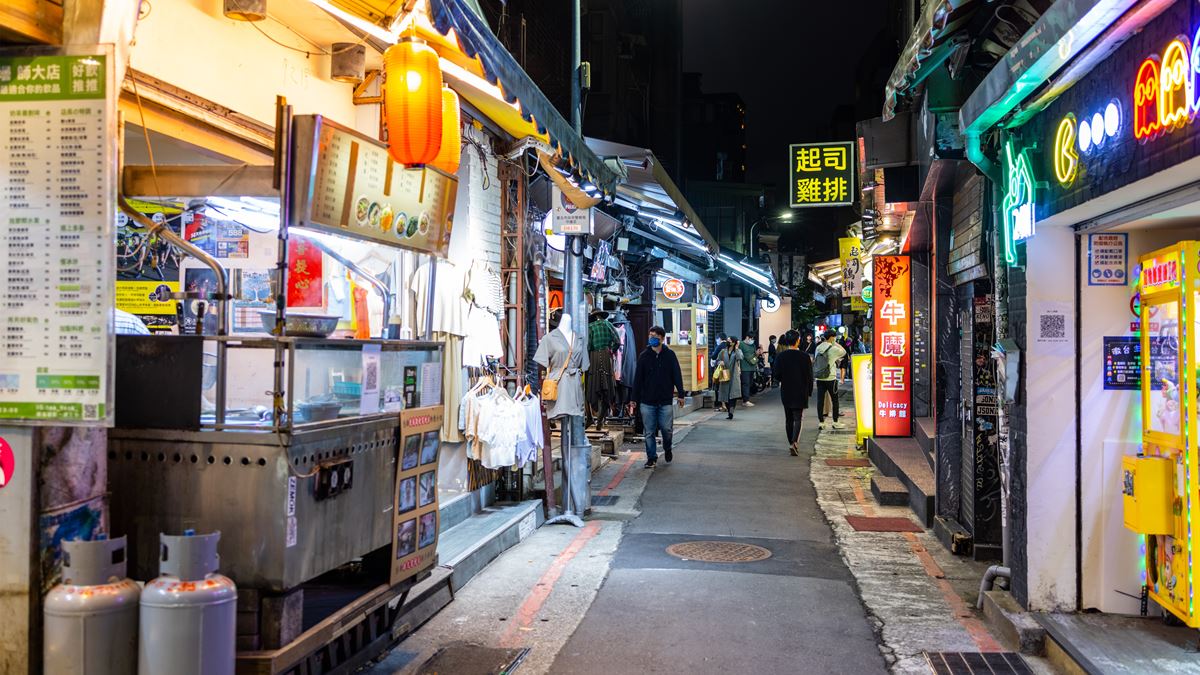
686,323
305,451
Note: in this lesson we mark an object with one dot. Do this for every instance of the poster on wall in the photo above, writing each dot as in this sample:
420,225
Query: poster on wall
148,266
1122,363
892,359
57,163
304,288
415,513
1108,258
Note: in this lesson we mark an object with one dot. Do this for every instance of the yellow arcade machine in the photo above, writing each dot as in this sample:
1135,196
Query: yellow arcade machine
1161,500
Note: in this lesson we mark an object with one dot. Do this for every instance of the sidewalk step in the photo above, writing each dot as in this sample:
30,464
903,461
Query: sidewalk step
888,491
1014,624
903,458
469,546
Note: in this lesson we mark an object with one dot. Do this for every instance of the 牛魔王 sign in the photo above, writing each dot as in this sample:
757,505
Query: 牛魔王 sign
822,174
893,345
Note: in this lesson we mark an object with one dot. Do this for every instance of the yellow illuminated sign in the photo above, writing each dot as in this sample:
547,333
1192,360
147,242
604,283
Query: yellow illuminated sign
822,174
1066,159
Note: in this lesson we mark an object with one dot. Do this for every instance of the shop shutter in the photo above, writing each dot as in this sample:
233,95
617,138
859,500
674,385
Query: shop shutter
966,261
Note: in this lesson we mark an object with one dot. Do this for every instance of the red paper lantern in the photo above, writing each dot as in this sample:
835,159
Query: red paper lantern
451,152
412,102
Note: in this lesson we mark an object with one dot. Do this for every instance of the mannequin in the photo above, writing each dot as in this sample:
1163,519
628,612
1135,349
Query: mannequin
564,326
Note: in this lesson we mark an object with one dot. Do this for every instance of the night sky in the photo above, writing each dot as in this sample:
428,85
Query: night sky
793,62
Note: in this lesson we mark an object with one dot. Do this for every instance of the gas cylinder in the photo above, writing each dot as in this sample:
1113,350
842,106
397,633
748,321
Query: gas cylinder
91,618
189,613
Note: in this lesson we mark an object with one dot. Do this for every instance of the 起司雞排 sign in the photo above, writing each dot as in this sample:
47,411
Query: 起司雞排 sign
822,174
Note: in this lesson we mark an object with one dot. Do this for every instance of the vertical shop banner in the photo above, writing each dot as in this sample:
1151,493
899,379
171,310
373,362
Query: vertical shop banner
850,252
822,174
1108,258
304,273
893,345
57,253
415,512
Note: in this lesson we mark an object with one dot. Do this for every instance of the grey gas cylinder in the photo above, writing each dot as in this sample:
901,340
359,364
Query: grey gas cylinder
91,618
189,613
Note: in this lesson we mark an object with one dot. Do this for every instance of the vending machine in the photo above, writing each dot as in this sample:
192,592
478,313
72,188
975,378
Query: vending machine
1161,500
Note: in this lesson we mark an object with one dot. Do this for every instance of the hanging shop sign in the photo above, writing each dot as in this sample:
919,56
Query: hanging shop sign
1108,258
1019,194
673,289
415,512
57,163
566,217
850,253
822,174
868,294
892,358
346,183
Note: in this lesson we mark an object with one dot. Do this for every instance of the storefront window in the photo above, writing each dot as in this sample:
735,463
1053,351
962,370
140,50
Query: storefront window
1163,388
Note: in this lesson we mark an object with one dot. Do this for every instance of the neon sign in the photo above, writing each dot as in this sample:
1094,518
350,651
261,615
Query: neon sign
1066,160
1018,201
1165,95
1083,135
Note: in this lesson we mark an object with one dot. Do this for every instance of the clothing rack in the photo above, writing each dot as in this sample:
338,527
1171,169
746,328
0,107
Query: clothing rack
510,485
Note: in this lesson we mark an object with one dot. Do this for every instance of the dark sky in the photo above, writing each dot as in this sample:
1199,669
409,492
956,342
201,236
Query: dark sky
792,61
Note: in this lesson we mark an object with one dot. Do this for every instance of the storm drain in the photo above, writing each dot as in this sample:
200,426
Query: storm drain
461,657
718,551
976,663
607,500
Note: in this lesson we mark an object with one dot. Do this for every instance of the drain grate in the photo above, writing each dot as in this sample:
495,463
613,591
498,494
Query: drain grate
607,500
976,663
718,551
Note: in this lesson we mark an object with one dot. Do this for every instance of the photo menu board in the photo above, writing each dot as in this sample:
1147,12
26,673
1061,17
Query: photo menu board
415,521
56,237
347,184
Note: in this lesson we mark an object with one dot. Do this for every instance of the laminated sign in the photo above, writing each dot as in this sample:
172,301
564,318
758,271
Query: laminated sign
822,174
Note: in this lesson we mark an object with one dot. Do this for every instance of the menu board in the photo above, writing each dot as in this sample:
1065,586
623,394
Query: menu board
415,521
1122,363
56,238
347,184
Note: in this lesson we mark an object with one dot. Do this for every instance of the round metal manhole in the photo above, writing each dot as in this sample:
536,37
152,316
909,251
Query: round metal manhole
718,551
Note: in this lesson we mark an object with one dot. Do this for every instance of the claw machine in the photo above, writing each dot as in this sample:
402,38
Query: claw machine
1159,487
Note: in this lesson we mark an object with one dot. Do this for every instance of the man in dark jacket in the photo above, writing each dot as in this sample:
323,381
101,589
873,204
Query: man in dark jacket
794,371
658,376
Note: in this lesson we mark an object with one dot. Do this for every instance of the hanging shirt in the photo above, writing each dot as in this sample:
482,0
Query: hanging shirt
449,302
483,338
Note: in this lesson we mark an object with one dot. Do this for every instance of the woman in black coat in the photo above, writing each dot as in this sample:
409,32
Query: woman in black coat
794,372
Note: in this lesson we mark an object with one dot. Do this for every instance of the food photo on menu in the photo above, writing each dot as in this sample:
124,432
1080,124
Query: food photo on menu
428,488
408,494
411,445
406,538
429,448
428,529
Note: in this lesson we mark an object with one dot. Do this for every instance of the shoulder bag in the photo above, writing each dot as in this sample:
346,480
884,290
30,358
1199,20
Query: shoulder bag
550,385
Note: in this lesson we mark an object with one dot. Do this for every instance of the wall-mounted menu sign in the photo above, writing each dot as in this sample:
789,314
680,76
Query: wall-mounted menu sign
346,183
1122,363
56,238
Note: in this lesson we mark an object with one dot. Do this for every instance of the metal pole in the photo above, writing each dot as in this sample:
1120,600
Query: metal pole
577,451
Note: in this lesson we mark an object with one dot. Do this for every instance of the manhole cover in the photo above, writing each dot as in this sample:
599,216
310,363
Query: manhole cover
718,551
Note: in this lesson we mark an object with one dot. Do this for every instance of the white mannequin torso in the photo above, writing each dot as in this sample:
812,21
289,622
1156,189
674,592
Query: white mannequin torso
564,327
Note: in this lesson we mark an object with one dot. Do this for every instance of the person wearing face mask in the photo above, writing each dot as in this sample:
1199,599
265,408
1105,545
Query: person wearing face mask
658,376
749,368
729,391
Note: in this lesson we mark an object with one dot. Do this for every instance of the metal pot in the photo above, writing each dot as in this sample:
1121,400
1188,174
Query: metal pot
301,325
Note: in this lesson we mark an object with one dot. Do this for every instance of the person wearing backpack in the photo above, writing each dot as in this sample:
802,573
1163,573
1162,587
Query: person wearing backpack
828,376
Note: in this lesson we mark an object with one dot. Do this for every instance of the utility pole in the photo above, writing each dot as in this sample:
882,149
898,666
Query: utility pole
577,450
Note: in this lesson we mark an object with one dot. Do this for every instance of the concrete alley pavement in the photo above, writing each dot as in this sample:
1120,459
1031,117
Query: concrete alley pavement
610,599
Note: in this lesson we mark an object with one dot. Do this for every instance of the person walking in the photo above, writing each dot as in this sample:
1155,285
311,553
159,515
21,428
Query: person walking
729,391
794,372
658,376
828,376
772,351
808,345
749,368
712,382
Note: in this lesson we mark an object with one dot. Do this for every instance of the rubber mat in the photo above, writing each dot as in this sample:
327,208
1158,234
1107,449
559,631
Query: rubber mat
866,524
848,462
977,663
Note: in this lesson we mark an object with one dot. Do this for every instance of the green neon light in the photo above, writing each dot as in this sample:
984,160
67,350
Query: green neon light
1018,202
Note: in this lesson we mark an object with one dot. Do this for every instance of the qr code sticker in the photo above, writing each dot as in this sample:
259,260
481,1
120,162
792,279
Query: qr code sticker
371,378
1054,326
89,411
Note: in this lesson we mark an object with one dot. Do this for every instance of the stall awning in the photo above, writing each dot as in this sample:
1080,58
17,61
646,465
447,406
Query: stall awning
939,29
648,189
499,67
749,272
